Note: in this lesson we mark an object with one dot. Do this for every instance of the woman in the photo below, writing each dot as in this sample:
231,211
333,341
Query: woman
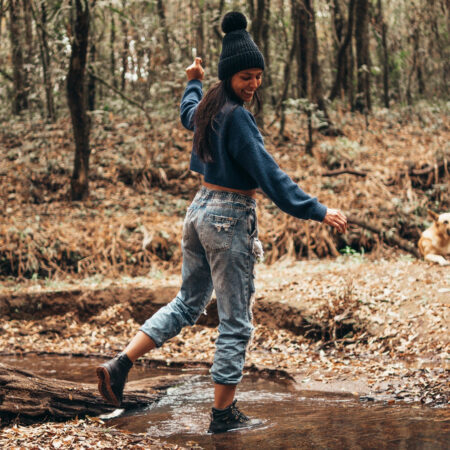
220,243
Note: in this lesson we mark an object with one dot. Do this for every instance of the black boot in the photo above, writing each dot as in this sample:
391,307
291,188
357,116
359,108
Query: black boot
230,419
112,376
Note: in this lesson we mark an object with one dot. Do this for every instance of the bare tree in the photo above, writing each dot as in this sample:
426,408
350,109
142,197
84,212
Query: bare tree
166,42
309,85
342,65
40,18
382,29
362,100
77,100
20,100
125,46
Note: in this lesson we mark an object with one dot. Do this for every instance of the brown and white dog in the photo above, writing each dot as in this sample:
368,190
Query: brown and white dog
434,244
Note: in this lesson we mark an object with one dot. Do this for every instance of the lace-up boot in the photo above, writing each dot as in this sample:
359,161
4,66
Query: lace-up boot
229,419
112,376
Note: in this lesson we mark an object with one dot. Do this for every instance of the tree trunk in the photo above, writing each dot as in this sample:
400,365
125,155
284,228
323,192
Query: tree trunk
112,54
383,27
308,61
362,100
41,29
268,83
415,36
162,22
77,100
20,100
287,70
29,43
257,31
125,47
27,398
340,81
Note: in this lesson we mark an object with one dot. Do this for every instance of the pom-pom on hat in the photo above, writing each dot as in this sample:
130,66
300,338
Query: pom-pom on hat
239,52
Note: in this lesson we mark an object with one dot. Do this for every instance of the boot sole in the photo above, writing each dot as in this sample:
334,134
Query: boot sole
247,427
104,386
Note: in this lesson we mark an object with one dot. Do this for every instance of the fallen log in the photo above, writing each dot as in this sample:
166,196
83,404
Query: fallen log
27,398
387,236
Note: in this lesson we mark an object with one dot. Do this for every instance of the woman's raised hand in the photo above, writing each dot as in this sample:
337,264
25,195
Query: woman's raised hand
195,70
336,219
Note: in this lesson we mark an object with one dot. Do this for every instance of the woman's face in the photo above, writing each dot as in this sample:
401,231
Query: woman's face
245,83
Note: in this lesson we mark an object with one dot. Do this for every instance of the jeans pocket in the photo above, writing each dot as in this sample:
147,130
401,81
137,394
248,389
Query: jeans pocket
217,232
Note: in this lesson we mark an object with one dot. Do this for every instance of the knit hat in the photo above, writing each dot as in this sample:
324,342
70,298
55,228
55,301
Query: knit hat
239,52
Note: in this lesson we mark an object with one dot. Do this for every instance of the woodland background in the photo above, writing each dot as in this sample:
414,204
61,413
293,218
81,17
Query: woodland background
95,182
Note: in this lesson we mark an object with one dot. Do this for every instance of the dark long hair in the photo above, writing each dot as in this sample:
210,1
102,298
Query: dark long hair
207,110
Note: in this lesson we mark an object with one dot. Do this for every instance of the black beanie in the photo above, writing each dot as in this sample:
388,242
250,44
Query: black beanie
239,52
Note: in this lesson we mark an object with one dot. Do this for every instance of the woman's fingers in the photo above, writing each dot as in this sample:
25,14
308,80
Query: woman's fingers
336,219
195,70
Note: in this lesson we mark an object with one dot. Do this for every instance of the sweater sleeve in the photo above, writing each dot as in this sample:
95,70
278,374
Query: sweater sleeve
189,102
246,146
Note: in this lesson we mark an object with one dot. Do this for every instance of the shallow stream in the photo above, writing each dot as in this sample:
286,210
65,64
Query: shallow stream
292,418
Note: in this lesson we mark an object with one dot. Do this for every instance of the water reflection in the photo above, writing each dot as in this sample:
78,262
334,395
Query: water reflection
292,419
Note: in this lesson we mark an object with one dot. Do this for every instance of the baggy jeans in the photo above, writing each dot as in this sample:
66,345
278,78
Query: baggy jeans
220,245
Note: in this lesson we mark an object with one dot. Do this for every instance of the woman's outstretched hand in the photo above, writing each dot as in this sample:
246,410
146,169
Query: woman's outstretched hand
195,70
336,219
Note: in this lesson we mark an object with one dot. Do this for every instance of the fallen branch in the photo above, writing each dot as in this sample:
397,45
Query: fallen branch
386,235
332,173
426,170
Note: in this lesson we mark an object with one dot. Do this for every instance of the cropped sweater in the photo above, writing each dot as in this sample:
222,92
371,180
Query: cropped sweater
240,160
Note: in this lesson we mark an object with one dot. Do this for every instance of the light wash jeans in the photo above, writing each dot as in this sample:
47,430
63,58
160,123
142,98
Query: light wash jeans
220,246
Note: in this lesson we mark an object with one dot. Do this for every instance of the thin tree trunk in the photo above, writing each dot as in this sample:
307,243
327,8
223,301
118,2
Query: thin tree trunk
125,47
308,62
342,60
199,31
287,71
383,26
266,52
257,30
362,101
415,38
20,100
112,54
77,100
41,29
162,21
91,86
29,43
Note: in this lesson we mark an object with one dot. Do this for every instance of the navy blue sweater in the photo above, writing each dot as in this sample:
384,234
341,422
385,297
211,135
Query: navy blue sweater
240,160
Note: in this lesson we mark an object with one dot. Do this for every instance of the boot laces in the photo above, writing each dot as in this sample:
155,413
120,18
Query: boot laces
238,415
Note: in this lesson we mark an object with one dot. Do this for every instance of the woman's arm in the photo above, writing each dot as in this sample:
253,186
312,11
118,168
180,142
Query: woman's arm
192,94
247,148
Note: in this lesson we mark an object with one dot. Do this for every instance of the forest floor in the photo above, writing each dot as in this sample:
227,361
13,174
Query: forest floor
346,314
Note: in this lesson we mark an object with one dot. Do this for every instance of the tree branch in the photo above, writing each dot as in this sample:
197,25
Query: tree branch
386,235
121,94
6,75
332,173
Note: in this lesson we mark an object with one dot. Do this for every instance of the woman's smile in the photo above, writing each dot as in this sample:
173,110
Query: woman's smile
246,82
